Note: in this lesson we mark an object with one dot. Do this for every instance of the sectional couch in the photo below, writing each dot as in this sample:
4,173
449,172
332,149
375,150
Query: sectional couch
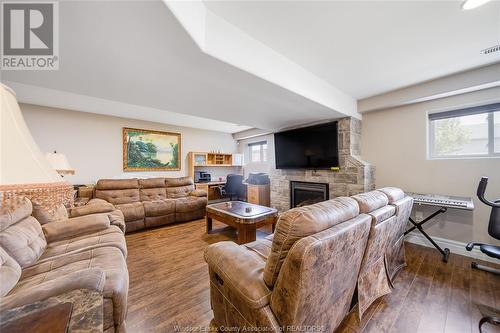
153,202
85,250
321,259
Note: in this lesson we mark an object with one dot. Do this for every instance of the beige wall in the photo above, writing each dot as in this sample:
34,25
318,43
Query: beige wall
395,141
250,167
93,143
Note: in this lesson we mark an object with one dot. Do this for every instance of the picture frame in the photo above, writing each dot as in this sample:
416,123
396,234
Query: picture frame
150,150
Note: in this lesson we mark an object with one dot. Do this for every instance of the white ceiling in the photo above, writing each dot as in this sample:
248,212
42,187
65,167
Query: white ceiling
135,59
365,48
137,53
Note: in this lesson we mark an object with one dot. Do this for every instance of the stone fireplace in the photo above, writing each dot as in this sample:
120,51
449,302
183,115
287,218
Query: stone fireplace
355,175
307,193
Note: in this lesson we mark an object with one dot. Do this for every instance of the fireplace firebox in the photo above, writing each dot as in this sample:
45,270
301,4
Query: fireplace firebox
307,193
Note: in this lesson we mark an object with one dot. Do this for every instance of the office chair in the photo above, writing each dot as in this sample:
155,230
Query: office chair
493,229
234,187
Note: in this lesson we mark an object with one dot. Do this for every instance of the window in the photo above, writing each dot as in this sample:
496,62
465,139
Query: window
258,151
470,132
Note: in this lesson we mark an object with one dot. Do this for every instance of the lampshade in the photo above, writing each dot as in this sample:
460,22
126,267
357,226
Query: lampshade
24,171
60,163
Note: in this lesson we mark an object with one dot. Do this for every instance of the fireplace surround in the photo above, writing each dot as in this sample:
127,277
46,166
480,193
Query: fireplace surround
355,175
307,193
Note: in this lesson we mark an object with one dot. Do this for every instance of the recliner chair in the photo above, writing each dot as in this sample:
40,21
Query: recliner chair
493,229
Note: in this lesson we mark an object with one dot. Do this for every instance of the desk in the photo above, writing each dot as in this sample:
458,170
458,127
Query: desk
210,188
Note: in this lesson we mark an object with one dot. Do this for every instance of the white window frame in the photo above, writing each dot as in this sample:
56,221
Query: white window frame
489,109
262,156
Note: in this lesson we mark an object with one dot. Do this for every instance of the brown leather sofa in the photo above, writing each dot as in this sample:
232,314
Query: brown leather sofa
86,251
395,257
153,202
373,281
305,276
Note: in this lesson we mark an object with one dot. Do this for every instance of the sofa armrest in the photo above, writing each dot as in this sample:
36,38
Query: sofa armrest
240,271
94,206
76,226
92,279
198,193
116,218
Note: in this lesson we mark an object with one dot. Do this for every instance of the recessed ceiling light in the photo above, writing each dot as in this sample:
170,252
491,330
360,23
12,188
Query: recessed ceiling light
471,4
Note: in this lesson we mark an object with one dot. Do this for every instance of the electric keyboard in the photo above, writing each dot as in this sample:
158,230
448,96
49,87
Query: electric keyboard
442,201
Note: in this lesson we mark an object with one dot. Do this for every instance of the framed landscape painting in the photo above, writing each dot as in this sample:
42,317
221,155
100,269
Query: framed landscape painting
145,150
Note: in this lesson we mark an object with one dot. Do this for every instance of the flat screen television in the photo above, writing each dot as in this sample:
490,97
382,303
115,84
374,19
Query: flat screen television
313,147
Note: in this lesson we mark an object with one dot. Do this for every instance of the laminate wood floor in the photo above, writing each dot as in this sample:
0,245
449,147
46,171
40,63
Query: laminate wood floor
169,287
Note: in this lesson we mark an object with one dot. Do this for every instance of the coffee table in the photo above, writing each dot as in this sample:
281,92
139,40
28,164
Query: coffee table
243,216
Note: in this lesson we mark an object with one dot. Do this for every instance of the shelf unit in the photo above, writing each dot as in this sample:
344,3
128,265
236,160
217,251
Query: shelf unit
205,159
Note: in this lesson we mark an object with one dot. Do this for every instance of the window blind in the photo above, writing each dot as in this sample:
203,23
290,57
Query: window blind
465,112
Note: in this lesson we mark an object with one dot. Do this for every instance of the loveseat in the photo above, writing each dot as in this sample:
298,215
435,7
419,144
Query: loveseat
153,202
320,260
86,251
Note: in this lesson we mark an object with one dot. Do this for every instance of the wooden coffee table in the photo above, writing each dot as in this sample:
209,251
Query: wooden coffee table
245,217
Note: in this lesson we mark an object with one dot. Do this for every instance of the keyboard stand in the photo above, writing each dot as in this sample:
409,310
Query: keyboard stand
446,251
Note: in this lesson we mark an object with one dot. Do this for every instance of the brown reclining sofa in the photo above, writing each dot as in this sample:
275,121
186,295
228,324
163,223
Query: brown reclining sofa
153,202
40,259
305,276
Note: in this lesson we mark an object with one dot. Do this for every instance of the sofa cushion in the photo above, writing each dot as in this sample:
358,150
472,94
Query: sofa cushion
190,204
16,214
135,225
75,227
179,181
132,211
152,183
159,207
393,193
179,187
117,184
24,241
118,191
10,272
240,281
370,201
111,236
108,259
261,246
301,222
88,279
117,197
151,194
116,218
44,215
382,214
94,206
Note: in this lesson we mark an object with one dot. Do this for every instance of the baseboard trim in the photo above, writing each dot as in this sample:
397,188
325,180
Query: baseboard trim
454,246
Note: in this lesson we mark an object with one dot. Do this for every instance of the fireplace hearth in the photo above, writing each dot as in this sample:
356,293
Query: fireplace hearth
307,193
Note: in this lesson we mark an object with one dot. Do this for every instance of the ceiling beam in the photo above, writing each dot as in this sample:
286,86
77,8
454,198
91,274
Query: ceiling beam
451,85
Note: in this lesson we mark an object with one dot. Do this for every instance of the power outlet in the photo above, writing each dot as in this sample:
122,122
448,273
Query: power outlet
419,216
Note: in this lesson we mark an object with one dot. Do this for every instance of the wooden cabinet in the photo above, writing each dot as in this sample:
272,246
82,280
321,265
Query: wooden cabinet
205,159
259,194
211,188
201,186
199,159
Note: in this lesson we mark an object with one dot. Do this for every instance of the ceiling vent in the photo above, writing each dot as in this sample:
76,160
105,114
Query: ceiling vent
492,49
